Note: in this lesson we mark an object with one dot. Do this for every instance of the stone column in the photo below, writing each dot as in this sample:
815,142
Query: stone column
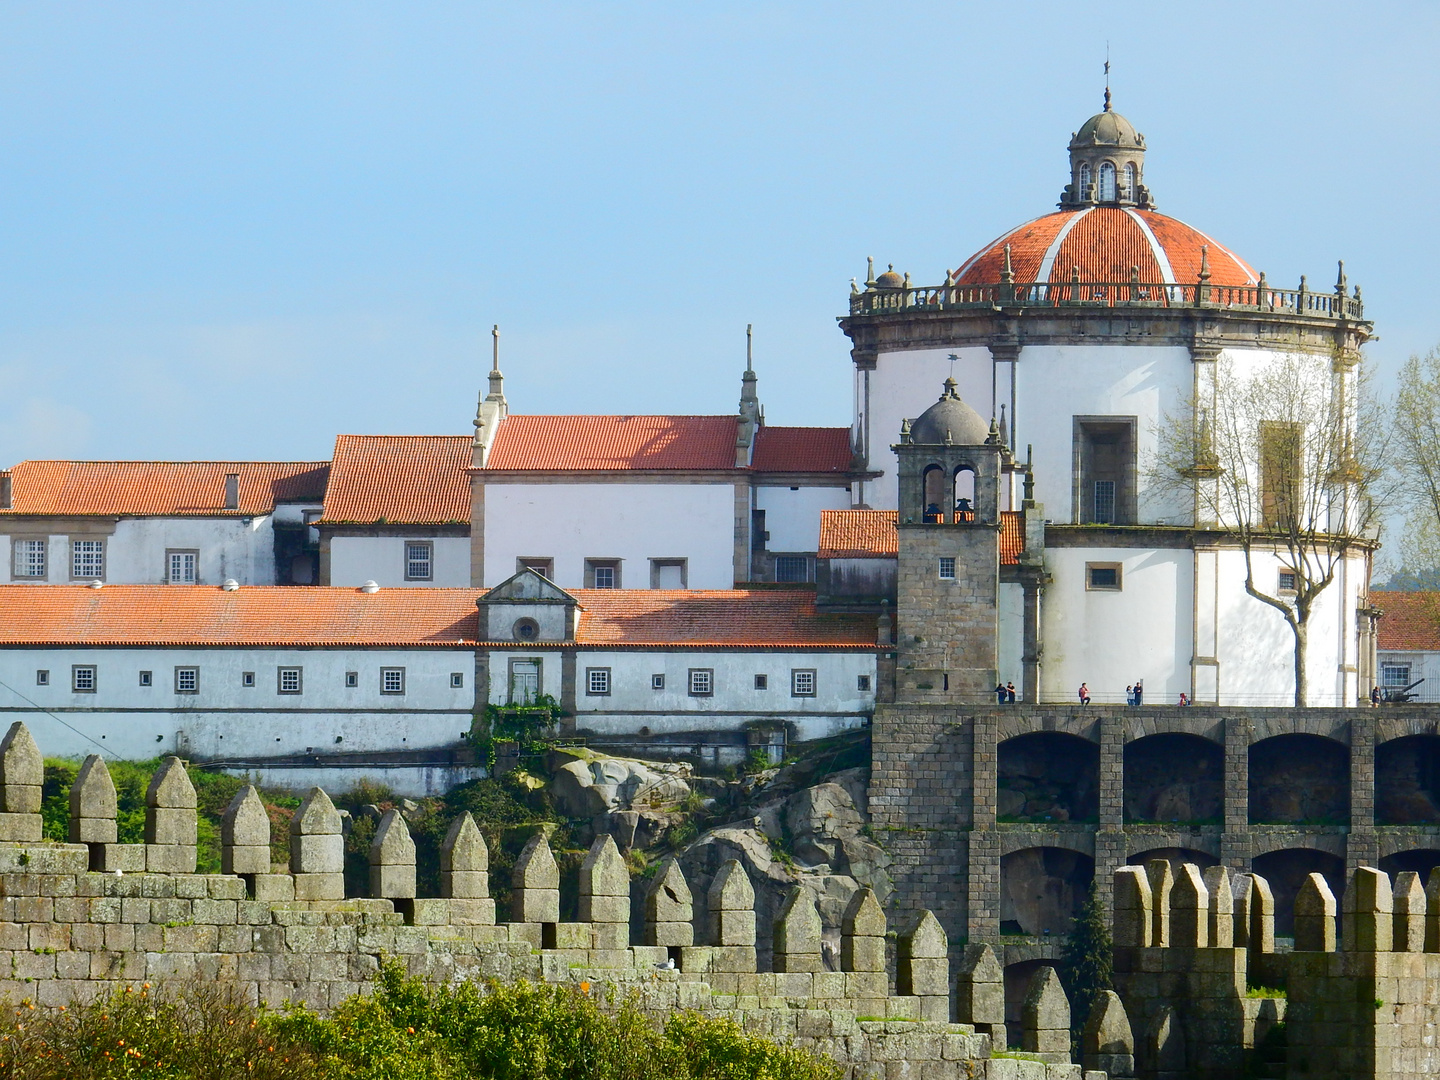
1030,648
1110,838
983,877
1361,846
1235,843
392,859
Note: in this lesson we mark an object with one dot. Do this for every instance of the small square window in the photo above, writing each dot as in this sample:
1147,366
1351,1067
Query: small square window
597,681
181,567
352,679
702,682
42,677
82,678
802,682
187,680
288,680
1286,581
602,573
668,573
862,683
1102,577
657,682
419,560
392,680
147,678
457,680
247,678
947,568
792,569
762,682
1394,676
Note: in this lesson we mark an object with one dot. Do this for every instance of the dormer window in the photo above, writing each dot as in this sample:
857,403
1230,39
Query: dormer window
1107,182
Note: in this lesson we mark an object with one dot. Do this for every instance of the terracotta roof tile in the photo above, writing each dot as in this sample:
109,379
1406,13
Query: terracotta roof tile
400,479
871,534
207,615
802,449
547,443
1411,622
161,488
723,617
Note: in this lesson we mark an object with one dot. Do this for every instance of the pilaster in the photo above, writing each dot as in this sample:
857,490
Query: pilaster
1235,840
983,886
1361,847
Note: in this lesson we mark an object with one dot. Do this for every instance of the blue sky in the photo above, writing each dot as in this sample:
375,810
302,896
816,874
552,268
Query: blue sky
235,230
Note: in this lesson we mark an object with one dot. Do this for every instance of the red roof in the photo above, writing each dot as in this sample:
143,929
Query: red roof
802,449
551,443
399,480
208,615
1411,622
871,534
161,488
1105,242
725,618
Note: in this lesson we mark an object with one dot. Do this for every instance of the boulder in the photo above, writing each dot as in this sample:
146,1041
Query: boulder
590,784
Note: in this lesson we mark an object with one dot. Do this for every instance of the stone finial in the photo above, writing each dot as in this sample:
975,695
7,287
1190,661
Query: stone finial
317,849
1240,898
669,908
392,859
1189,909
1134,922
1315,916
1262,916
171,820
1045,1017
605,894
535,884
922,965
464,861
1108,1043
1221,928
980,991
1162,879
1167,1045
22,776
797,933
245,834
1409,911
1432,911
862,933
1367,923
731,904
92,804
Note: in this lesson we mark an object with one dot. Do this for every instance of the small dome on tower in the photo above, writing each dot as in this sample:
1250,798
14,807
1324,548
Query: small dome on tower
951,421
890,279
1107,129
1107,164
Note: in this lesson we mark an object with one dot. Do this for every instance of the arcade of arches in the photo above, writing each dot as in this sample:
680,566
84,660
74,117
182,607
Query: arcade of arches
1000,819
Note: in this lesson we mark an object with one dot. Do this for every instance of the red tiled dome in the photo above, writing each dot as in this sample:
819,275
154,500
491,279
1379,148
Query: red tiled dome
1105,242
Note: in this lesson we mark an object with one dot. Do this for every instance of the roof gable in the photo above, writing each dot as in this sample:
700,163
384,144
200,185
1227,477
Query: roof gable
527,587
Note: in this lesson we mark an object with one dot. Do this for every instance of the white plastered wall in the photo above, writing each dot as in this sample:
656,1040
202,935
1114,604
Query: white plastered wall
632,522
792,515
355,560
1012,634
135,552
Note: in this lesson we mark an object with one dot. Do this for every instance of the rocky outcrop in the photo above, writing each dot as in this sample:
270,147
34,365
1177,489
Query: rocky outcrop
588,783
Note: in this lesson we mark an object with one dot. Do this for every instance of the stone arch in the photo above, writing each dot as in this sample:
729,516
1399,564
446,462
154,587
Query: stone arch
1041,889
1299,779
1198,722
1082,179
1080,841
1421,860
1286,870
1048,777
962,495
1324,723
1176,856
1077,722
1174,777
1105,188
935,485
1407,781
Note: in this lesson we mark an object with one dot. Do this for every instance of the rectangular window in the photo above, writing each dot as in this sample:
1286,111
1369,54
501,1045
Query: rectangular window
762,682
29,559
392,680
288,680
1395,676
702,682
862,683
668,573
1285,581
602,573
947,568
1103,502
802,682
147,678
457,680
180,567
42,677
544,566
792,569
1105,469
419,560
187,680
524,681
247,678
597,681
87,560
352,679
82,678
657,682
1102,576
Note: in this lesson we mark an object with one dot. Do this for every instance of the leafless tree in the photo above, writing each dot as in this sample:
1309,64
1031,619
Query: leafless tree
1285,460
1416,434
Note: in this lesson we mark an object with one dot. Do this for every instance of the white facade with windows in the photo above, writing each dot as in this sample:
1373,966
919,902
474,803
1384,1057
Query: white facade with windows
392,561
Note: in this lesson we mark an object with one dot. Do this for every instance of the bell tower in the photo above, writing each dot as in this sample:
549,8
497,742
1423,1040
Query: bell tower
948,586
